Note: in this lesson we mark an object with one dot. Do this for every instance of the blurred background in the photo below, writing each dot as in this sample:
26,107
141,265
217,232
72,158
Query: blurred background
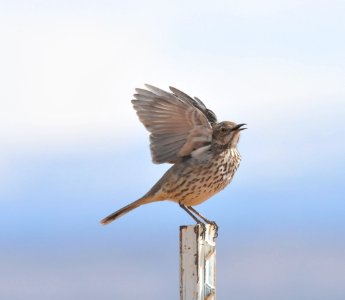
72,149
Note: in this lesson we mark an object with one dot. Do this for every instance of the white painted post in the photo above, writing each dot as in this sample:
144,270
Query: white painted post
197,262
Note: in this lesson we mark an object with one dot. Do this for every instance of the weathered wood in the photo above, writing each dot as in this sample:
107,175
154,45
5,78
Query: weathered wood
197,262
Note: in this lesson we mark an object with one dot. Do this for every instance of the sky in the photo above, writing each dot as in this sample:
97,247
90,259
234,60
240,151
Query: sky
73,150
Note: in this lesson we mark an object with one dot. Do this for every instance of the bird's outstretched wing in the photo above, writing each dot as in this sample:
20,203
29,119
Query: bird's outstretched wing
210,115
178,123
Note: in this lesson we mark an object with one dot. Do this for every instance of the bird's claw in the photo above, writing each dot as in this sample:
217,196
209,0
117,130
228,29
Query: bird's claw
214,224
203,229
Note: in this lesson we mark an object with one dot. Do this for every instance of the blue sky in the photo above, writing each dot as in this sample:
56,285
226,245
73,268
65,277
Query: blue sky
72,148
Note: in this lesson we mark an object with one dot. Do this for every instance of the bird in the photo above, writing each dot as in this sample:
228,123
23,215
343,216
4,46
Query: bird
185,133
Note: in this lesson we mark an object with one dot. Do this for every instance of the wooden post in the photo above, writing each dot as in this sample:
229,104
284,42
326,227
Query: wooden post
197,262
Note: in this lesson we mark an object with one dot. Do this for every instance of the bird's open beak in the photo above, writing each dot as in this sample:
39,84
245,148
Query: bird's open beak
238,127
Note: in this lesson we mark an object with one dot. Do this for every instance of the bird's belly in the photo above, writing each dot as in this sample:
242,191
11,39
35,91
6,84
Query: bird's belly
206,189
196,186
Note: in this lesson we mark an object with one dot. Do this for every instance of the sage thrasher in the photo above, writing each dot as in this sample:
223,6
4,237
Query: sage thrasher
186,134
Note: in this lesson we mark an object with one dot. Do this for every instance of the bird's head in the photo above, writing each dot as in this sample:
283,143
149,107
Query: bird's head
227,133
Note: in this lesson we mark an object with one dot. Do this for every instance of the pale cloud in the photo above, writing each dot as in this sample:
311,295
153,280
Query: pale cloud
69,77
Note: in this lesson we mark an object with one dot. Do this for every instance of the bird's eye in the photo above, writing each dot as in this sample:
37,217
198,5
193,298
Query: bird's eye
223,129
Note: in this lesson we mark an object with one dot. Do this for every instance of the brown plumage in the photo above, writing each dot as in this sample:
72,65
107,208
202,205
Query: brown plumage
185,133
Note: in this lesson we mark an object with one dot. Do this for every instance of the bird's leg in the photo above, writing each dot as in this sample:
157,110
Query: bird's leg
199,215
186,208
213,223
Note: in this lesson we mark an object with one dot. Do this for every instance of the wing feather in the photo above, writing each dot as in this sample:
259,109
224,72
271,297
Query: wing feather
196,102
178,123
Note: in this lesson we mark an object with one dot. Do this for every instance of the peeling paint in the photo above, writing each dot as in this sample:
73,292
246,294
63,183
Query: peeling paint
198,262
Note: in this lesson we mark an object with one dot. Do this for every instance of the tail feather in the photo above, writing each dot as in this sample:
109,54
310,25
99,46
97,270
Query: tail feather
122,211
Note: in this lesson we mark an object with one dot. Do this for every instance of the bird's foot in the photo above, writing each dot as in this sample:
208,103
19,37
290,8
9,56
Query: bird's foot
214,224
203,228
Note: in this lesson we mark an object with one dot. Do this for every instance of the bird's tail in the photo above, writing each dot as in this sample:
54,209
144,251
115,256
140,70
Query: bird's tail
122,211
